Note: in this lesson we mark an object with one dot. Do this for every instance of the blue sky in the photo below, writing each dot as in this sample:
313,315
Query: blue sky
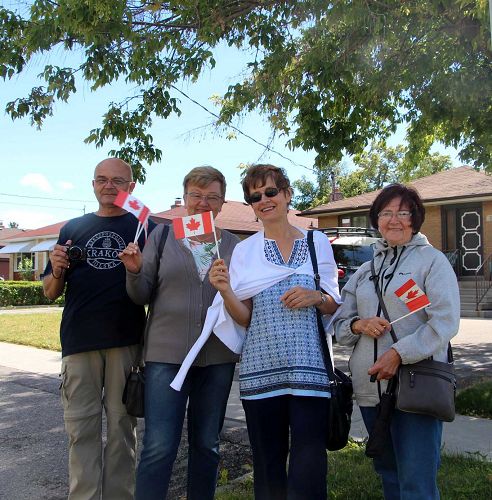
55,163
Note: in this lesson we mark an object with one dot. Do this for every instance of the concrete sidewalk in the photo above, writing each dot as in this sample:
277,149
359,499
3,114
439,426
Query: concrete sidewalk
464,435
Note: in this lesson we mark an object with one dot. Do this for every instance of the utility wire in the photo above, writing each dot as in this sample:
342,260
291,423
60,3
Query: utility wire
45,198
268,148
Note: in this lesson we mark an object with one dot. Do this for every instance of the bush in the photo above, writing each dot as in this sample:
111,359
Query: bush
25,293
475,401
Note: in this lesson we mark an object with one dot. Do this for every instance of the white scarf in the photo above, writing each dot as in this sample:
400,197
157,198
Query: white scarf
251,273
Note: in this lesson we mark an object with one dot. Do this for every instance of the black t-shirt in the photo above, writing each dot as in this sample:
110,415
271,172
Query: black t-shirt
98,313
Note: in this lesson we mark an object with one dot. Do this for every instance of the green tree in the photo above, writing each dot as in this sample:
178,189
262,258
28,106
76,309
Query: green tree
25,269
375,168
331,76
13,225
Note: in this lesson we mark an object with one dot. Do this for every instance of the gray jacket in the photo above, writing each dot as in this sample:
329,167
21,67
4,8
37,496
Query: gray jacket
181,302
422,334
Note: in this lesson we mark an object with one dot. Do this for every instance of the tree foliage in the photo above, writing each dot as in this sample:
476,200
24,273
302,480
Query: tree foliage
375,168
331,76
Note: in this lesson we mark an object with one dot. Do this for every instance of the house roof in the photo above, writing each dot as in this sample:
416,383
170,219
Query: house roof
9,232
51,230
238,217
448,186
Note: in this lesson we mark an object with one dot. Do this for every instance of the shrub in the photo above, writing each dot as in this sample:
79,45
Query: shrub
24,293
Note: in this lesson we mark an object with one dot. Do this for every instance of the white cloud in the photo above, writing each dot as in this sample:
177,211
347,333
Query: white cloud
65,185
38,181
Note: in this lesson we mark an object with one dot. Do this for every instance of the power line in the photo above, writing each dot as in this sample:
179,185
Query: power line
46,198
268,148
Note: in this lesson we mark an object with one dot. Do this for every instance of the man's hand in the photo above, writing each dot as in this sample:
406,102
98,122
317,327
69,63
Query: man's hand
59,259
131,257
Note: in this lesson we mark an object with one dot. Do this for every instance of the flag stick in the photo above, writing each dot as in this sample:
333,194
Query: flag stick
215,235
139,230
406,315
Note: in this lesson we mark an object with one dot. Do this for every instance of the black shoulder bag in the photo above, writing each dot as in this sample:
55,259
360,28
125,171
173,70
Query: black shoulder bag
340,404
133,393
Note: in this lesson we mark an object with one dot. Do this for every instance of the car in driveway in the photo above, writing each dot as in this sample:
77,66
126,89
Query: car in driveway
352,246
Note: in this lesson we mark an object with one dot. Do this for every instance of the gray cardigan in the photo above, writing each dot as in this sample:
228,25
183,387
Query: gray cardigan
424,333
181,302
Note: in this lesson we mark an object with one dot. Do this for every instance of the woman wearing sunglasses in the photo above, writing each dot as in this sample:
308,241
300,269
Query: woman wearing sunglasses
283,381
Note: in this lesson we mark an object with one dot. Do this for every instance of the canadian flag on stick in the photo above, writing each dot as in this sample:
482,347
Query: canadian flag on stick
132,205
413,297
193,225
137,208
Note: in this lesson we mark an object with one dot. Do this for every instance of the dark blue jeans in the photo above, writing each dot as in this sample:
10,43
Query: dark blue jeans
409,467
269,422
206,389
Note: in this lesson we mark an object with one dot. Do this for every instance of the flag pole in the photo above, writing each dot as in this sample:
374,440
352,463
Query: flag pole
139,230
215,234
410,313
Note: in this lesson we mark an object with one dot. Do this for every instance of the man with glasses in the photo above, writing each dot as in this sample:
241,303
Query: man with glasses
100,332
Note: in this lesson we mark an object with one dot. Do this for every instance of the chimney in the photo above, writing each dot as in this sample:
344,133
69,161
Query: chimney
335,192
177,203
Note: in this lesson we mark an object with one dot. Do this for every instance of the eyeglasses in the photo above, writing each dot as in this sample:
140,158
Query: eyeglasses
256,197
401,215
211,199
117,181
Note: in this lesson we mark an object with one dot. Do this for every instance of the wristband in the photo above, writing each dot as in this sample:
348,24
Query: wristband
56,277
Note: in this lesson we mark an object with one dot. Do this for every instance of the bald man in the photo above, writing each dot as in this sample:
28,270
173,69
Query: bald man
100,332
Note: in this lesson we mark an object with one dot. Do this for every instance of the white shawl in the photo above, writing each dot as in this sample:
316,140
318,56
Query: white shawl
250,273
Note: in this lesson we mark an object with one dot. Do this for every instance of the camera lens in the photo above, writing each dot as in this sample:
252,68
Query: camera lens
75,253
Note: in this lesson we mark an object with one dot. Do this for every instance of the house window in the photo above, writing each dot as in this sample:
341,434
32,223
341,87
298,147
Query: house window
354,220
19,257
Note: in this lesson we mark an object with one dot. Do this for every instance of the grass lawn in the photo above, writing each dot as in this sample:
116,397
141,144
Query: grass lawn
351,476
37,330
476,400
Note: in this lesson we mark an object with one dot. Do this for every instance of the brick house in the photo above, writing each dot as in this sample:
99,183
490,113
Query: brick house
458,204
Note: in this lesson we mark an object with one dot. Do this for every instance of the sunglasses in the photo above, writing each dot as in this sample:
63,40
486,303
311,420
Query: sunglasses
256,197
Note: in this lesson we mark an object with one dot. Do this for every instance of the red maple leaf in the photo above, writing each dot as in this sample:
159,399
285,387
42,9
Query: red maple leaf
412,294
134,204
193,225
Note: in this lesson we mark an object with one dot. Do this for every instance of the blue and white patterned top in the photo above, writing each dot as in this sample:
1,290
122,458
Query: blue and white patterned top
282,352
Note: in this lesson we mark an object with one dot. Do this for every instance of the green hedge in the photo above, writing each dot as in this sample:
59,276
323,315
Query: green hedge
24,293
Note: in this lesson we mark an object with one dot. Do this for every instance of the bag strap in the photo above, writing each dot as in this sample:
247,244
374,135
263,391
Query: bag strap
381,301
386,315
150,308
319,320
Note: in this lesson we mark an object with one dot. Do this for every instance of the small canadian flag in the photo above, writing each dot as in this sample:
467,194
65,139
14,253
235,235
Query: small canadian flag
193,225
412,295
132,205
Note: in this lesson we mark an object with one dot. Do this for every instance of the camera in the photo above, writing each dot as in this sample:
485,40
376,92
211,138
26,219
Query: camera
76,253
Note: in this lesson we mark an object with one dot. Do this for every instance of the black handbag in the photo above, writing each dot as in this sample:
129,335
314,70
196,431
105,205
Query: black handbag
134,391
427,387
340,405
379,435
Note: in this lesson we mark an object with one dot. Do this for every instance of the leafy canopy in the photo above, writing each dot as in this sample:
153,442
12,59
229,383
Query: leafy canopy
375,168
331,76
